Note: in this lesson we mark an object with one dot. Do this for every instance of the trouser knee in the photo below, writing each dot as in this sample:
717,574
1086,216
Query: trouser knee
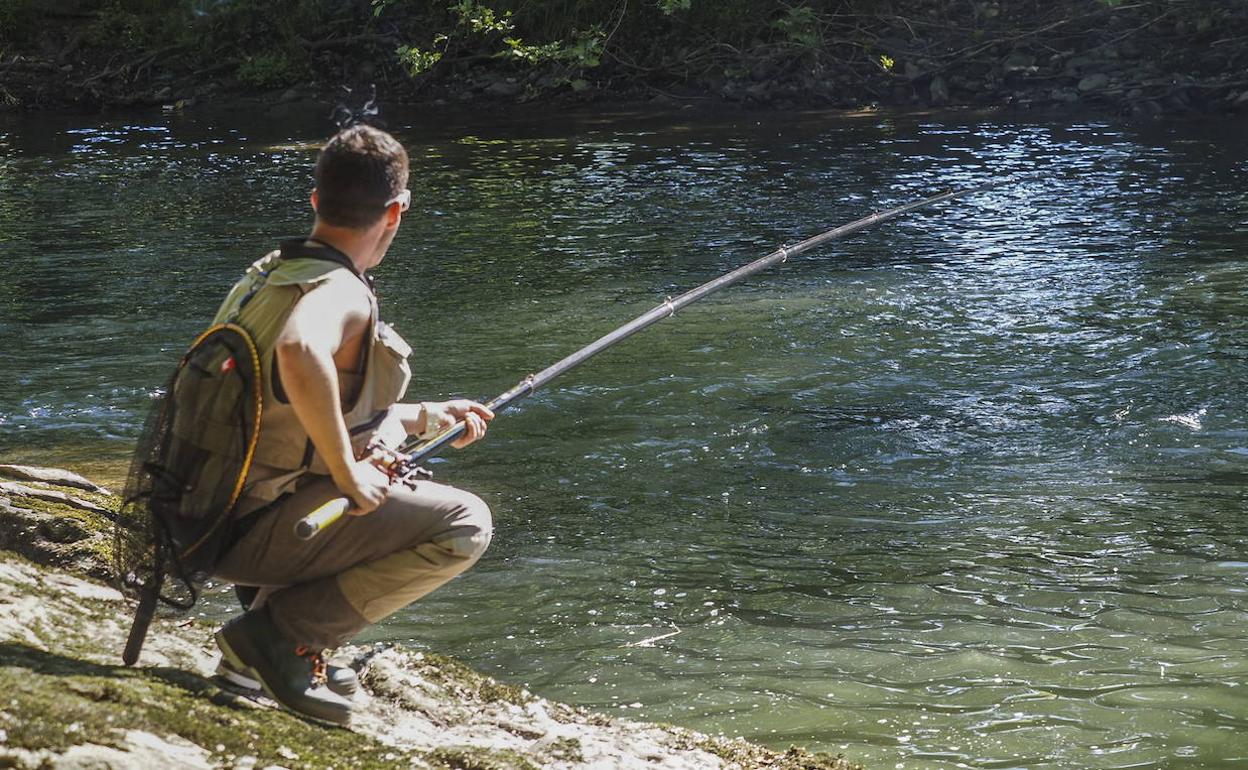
470,536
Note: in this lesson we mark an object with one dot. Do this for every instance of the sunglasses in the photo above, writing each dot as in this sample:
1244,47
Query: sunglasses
404,199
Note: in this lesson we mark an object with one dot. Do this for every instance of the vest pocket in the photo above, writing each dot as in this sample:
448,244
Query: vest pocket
390,370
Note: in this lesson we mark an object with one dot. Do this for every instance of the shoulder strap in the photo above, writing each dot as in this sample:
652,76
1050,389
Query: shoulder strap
312,248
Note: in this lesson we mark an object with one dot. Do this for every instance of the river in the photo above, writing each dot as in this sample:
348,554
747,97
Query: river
967,490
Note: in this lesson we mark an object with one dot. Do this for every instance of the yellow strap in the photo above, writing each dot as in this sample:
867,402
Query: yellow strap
258,393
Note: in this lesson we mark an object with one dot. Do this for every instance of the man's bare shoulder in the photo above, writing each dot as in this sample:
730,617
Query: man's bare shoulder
340,290
335,309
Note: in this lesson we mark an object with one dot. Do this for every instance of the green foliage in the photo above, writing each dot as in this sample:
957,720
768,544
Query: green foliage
584,51
266,44
473,28
800,26
416,61
480,19
272,69
662,42
533,54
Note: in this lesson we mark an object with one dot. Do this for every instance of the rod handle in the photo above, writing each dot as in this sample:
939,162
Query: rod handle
308,527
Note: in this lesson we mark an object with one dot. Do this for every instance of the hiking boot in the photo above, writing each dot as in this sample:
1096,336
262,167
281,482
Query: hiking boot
339,679
293,675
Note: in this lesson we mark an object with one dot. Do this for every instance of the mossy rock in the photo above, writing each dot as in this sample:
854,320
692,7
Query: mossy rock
476,758
79,701
57,534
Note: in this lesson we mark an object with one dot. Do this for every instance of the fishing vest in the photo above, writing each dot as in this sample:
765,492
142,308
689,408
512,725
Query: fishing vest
261,302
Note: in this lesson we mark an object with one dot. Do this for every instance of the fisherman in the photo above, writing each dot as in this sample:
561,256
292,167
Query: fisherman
333,375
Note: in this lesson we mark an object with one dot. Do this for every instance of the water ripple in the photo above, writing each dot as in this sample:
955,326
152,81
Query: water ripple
963,491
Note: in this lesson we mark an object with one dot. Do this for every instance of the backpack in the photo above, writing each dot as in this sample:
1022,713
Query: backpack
188,472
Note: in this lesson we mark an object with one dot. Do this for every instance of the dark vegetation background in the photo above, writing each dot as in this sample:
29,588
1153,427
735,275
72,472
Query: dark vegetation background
1142,57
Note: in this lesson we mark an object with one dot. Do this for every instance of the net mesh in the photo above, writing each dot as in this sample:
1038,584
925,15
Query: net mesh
188,469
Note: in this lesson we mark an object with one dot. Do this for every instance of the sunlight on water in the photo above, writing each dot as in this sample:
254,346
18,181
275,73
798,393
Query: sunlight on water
966,490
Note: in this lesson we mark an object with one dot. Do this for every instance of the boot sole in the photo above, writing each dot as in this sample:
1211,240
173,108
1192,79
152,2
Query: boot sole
235,679
228,652
226,673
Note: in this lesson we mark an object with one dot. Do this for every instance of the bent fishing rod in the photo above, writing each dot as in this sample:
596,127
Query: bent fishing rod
404,463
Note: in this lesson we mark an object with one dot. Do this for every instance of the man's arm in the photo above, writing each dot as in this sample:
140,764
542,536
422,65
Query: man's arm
321,321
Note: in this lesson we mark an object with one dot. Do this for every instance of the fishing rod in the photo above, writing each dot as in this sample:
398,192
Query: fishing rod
405,462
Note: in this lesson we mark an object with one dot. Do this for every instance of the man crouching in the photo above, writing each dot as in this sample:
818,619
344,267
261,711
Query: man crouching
333,375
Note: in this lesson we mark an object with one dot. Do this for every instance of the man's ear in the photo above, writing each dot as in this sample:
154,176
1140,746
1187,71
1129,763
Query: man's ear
394,215
313,198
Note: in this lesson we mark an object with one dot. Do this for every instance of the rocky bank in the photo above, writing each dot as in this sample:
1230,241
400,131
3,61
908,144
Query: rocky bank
68,702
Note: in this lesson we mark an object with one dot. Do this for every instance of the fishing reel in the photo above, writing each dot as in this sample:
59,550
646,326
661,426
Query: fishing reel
398,467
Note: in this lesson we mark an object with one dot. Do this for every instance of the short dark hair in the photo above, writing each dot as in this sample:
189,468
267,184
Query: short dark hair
356,173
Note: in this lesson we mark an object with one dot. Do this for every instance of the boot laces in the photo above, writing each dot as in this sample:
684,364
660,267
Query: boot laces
320,672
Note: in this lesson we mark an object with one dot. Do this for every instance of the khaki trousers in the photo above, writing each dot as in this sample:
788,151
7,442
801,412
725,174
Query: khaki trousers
323,591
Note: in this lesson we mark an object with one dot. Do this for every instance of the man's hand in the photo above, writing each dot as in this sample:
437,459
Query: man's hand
365,485
475,417
430,418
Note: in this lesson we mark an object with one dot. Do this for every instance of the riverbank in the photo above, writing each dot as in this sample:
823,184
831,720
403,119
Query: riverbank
70,704
1136,59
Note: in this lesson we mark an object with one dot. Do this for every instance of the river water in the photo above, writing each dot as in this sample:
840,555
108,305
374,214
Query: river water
965,490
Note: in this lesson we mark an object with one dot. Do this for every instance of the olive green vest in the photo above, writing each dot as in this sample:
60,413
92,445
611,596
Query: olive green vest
261,302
